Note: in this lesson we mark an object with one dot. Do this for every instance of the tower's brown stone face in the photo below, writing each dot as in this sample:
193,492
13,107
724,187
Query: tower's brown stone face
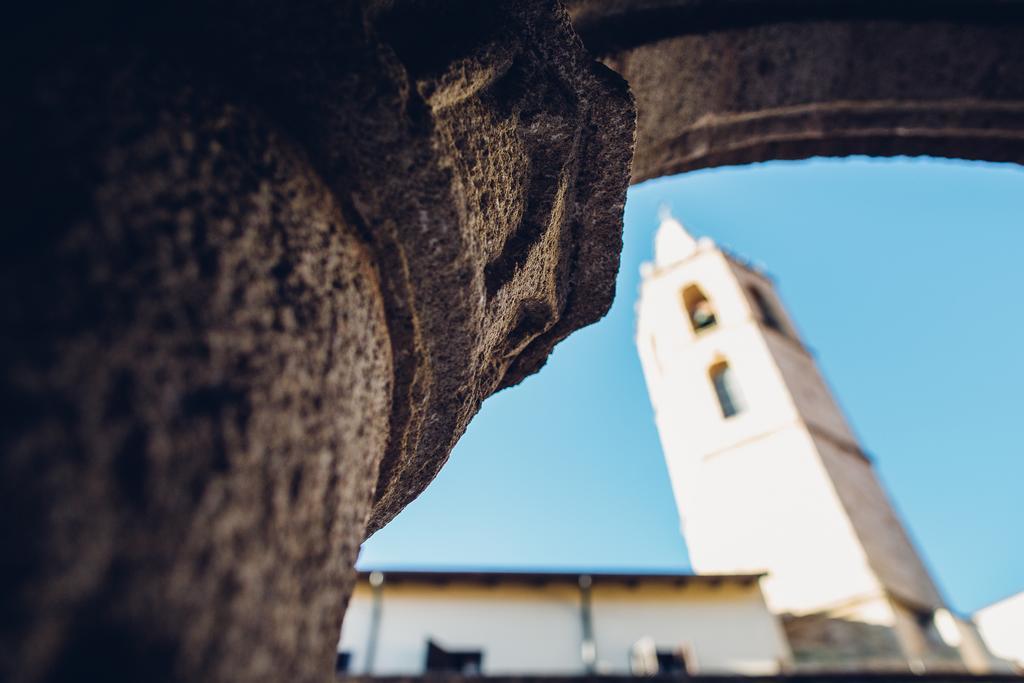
262,262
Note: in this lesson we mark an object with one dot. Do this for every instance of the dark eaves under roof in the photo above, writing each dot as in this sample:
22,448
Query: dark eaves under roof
538,578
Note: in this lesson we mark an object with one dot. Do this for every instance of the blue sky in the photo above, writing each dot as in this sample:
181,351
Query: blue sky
905,276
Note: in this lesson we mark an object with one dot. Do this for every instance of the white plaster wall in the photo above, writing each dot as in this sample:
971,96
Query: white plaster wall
726,629
888,547
686,409
752,492
356,628
538,630
756,491
978,658
518,628
1002,627
768,505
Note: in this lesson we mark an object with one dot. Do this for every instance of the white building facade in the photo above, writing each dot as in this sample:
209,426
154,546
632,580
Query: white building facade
1002,626
768,476
498,623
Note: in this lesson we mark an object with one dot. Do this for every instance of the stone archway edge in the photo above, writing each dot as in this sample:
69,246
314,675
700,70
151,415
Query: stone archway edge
263,262
740,81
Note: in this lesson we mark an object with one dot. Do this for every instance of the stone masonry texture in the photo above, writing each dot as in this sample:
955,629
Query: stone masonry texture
262,262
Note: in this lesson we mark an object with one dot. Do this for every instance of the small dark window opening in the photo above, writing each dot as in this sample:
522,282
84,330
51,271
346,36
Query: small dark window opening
726,389
926,622
342,662
698,309
765,310
466,662
671,662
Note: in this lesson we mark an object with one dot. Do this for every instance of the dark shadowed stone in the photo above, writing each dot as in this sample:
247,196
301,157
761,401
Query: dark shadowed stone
738,81
200,395
262,261
506,234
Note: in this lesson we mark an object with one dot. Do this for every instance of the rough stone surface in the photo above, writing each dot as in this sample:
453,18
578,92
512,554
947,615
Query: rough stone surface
722,82
263,261
200,398
507,236
831,643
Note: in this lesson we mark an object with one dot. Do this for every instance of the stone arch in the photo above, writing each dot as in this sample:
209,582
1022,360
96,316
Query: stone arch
736,82
467,195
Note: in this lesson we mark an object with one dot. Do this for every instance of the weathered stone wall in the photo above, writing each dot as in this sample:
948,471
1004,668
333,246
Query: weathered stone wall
196,392
262,261
738,81
824,641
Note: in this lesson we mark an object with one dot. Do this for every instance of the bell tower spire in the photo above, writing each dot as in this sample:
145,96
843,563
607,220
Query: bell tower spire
672,243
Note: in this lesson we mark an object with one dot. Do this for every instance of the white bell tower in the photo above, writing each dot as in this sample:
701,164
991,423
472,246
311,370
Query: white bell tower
767,474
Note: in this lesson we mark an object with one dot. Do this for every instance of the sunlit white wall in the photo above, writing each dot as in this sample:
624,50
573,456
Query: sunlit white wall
1002,627
724,630
783,485
521,628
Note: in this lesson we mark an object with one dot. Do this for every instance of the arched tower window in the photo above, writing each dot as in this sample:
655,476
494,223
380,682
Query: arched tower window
765,310
698,309
730,400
